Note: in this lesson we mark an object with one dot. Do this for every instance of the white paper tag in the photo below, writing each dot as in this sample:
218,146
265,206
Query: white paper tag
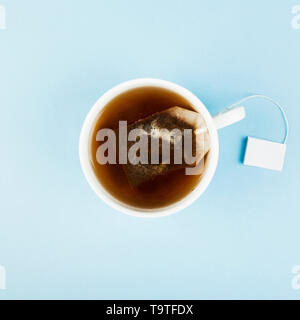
264,154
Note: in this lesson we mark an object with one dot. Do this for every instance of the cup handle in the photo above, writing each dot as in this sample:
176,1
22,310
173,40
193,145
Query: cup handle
228,117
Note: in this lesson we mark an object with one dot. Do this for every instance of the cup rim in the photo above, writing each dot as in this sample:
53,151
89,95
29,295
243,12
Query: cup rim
88,171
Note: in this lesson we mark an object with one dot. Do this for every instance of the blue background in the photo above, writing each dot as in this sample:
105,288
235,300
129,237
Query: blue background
57,239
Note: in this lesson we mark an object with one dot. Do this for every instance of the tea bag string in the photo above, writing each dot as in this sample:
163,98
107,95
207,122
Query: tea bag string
255,96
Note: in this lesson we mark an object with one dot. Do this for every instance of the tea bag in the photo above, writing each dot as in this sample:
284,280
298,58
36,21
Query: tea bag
167,128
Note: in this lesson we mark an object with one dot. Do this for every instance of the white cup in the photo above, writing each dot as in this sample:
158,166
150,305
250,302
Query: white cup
221,120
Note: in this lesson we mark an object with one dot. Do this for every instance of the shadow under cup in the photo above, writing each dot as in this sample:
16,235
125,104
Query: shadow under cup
161,191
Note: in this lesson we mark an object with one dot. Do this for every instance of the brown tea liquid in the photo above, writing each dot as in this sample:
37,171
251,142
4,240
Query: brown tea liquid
134,105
